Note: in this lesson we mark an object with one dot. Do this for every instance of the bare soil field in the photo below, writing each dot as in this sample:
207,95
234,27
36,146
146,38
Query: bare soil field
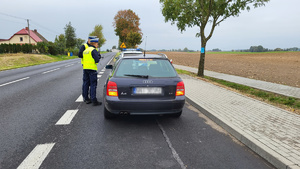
281,67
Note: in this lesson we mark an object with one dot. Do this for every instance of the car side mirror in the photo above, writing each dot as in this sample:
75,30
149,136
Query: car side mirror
109,66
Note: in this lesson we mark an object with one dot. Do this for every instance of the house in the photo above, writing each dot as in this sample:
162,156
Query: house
22,37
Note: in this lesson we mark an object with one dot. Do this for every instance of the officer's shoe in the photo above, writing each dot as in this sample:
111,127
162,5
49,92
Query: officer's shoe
87,101
96,103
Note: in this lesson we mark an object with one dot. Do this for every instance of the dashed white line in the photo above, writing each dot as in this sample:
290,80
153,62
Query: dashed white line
14,81
79,99
67,117
37,156
69,65
51,70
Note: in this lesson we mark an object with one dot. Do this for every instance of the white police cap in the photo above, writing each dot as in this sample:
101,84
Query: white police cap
92,37
95,40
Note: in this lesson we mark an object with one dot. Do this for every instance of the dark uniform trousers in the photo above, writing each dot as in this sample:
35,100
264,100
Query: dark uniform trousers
89,82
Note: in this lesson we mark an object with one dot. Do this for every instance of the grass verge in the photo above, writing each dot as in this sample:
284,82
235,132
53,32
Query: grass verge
288,103
18,60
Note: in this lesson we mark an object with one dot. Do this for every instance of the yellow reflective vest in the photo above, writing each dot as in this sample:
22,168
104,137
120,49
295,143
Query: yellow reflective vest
88,61
86,46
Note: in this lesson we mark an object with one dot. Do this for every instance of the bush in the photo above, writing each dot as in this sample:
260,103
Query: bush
27,48
42,47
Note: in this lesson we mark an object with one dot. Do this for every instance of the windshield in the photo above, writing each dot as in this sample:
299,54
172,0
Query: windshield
145,68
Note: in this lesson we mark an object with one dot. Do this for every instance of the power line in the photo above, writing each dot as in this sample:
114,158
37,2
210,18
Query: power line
45,28
11,21
12,16
36,24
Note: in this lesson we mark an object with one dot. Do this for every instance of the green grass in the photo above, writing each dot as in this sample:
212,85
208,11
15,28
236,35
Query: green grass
290,102
13,61
242,53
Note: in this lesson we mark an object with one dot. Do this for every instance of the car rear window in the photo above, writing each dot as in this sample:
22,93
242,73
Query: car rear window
145,67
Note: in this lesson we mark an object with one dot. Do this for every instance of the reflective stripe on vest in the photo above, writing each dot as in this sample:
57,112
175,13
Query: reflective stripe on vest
88,60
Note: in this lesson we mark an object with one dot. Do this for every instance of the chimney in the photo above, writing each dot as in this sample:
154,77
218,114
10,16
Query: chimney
26,28
35,30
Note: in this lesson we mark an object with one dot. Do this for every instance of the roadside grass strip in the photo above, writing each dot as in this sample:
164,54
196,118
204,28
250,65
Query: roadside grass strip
290,102
67,117
36,156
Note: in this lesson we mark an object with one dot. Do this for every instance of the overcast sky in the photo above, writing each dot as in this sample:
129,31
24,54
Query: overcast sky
275,25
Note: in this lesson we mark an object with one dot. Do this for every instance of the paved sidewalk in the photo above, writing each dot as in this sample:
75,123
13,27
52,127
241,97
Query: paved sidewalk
271,132
267,86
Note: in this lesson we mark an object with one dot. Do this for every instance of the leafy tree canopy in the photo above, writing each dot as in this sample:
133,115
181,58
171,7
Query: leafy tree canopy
126,24
189,13
60,41
98,32
70,36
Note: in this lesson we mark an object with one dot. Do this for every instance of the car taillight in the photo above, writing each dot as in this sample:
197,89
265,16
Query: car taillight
111,89
180,89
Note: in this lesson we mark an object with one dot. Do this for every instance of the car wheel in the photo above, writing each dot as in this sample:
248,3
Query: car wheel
107,114
177,115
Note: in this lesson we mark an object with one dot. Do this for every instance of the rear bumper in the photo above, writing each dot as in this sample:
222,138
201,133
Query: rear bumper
144,107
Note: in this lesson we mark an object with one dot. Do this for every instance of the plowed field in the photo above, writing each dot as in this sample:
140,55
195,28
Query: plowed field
281,68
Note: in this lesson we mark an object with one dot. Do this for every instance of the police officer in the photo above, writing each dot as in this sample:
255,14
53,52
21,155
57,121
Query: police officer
87,100
90,59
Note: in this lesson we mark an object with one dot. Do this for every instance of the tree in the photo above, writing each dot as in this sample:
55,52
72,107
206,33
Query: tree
189,13
126,22
132,39
98,32
79,42
185,49
60,41
70,36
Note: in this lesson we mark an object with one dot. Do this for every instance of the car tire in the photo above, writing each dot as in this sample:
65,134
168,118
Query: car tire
177,115
107,114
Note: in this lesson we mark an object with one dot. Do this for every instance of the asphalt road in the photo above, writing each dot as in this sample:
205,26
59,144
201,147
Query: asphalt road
35,99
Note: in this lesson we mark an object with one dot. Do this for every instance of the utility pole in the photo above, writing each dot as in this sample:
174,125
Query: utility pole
28,30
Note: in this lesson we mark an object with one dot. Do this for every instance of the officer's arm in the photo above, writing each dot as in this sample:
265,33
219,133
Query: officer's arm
80,53
95,55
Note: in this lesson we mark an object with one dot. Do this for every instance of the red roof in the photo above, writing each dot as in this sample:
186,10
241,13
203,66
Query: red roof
32,34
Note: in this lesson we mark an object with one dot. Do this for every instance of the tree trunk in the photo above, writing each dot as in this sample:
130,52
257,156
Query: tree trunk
202,59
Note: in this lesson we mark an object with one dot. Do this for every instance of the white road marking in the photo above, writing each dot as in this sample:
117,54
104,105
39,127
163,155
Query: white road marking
67,117
79,99
69,65
111,60
99,76
175,155
51,70
100,73
14,81
103,70
37,156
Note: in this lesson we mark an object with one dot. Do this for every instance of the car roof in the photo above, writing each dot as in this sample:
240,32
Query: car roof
132,52
146,56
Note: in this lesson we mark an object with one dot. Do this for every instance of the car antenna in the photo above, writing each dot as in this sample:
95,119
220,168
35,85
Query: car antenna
145,47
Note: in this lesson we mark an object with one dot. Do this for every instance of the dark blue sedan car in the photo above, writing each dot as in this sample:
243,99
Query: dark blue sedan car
143,85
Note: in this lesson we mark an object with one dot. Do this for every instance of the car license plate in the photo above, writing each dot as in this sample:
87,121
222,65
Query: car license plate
147,90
